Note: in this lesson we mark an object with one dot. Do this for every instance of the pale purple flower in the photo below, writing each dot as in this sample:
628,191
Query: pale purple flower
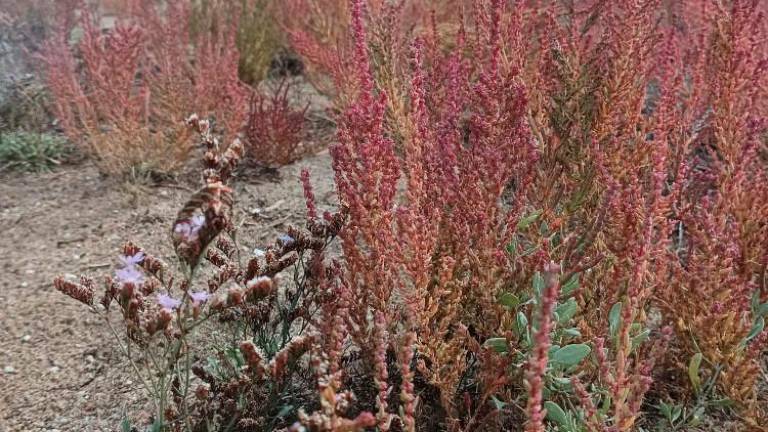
188,229
199,297
167,302
131,260
183,229
130,274
285,240
197,222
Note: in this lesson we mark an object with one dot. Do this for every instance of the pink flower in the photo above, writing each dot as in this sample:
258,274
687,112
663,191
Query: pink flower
168,302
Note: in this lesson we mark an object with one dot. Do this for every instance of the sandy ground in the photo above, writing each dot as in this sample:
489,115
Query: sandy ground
59,367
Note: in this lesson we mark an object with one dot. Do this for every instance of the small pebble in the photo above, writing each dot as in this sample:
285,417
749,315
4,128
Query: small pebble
26,338
8,370
54,369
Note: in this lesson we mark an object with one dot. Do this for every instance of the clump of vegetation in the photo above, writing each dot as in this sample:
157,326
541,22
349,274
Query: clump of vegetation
275,133
122,93
544,209
23,99
31,151
261,379
258,39
24,105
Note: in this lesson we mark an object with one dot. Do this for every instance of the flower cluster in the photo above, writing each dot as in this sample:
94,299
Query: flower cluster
129,272
187,230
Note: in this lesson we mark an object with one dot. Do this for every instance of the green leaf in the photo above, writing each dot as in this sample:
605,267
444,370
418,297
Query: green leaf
555,413
544,228
499,405
125,425
571,355
555,240
570,285
695,419
757,328
538,283
236,357
762,310
572,332
157,426
562,383
512,247
509,300
640,339
614,316
214,367
521,323
524,222
498,344
676,411
567,310
284,411
693,371
666,410
552,350
723,403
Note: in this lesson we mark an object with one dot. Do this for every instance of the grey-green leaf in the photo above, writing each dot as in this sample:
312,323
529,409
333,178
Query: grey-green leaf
570,285
512,247
125,425
521,323
572,332
157,426
284,411
762,310
567,310
571,355
498,344
614,316
538,283
757,328
524,222
555,413
509,300
499,405
640,338
693,371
